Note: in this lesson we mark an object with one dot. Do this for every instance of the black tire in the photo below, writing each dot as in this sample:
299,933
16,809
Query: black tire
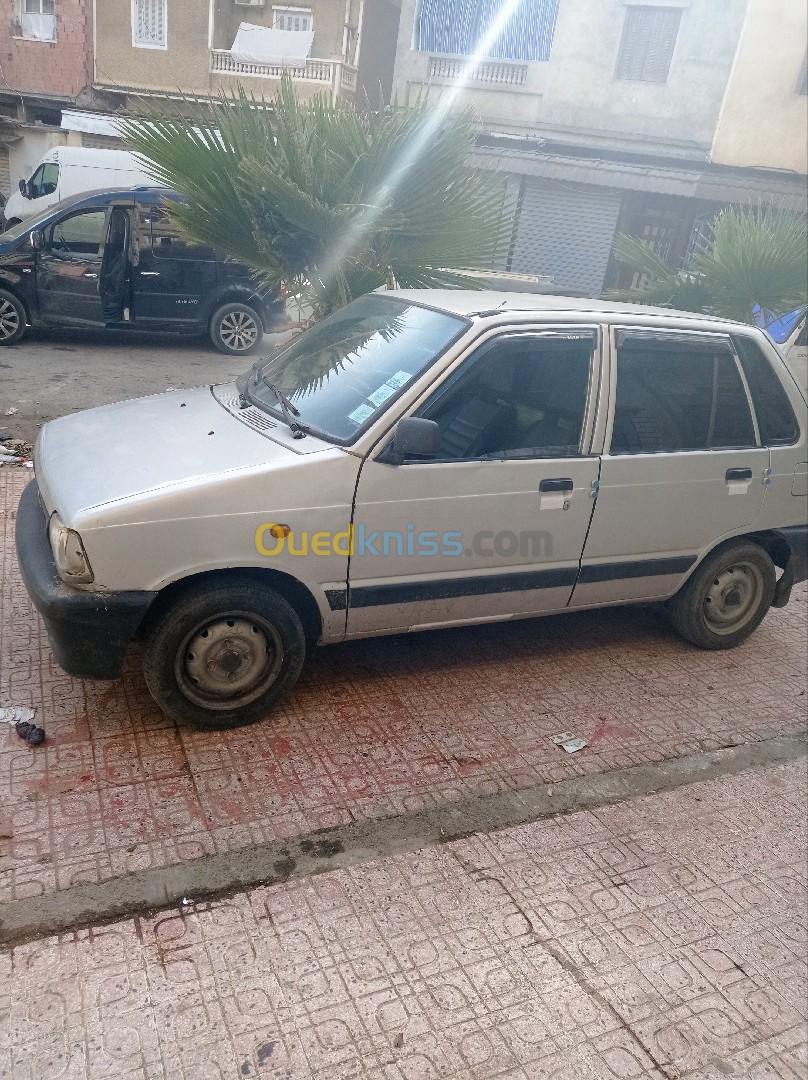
13,320
204,639
726,598
236,329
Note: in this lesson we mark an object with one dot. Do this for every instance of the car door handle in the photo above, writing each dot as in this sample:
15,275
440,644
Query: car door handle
149,273
89,274
558,484
738,474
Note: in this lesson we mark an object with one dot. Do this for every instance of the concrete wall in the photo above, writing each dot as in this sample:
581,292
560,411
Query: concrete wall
764,119
575,95
184,64
61,68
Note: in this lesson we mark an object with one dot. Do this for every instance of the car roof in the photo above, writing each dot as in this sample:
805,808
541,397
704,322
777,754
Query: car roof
469,302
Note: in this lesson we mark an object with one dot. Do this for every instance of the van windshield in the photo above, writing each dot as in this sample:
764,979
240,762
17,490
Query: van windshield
338,376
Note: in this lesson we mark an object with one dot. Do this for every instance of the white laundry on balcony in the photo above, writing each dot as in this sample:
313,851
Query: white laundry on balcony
265,45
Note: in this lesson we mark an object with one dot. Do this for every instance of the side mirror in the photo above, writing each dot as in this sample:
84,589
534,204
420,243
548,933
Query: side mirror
23,189
38,242
413,437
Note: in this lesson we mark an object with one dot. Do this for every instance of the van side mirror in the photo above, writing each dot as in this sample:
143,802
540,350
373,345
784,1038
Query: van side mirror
38,241
413,437
23,189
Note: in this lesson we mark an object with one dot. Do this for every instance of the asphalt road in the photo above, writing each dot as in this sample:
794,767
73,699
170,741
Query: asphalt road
49,374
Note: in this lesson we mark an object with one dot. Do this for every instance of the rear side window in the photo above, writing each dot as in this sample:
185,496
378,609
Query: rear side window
676,394
776,420
167,243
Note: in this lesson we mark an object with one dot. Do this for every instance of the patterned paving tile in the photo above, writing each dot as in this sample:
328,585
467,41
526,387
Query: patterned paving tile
374,728
618,945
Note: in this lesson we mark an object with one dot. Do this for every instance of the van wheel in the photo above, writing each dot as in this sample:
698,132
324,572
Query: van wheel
726,598
236,329
11,223
223,654
13,323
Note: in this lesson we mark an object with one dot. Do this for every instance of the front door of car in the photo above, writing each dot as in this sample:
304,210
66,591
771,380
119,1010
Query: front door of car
69,268
495,524
172,277
684,466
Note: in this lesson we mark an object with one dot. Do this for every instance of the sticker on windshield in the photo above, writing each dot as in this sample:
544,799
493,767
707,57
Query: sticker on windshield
360,414
398,379
378,397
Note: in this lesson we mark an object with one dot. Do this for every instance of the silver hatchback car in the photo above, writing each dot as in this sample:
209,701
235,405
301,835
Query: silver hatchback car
420,460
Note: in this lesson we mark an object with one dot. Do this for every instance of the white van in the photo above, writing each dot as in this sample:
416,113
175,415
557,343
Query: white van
72,170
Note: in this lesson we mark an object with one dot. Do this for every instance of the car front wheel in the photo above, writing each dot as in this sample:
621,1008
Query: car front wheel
13,323
221,655
726,598
236,329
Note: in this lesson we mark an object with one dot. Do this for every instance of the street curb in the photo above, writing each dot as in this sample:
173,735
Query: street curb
215,876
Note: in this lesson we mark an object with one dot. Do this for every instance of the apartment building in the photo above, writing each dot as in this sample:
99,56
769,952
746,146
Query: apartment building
607,116
198,47
45,67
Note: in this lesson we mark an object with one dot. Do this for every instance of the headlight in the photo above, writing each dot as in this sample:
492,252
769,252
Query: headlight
68,551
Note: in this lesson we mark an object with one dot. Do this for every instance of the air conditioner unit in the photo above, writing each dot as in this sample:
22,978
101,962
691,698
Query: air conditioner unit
250,3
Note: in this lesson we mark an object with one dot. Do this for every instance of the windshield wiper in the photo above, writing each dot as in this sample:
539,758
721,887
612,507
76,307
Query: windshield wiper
287,408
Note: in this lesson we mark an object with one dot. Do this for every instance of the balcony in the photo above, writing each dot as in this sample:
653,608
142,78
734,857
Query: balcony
333,75
493,73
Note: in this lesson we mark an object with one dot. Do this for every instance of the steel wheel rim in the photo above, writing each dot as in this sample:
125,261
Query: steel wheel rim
733,597
9,320
238,331
229,661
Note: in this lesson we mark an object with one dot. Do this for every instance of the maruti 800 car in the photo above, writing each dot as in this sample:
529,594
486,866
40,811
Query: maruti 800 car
419,460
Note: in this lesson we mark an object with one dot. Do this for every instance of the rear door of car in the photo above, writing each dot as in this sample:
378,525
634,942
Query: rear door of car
683,468
172,277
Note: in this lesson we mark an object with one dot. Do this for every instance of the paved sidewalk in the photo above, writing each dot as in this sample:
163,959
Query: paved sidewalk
374,729
663,938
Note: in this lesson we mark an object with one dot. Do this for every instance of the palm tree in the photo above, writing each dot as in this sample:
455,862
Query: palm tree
753,260
329,200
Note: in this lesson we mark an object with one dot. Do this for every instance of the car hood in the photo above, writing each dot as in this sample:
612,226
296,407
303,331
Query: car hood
122,451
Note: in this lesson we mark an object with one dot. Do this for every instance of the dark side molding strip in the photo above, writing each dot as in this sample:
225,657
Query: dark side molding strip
411,592
641,568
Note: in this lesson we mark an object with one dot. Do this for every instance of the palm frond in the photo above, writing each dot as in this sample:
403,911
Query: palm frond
323,197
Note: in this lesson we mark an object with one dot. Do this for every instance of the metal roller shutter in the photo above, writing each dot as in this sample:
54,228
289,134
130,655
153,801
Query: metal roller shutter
567,234
5,172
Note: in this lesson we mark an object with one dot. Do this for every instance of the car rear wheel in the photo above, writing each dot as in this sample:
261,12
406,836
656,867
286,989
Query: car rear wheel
223,654
236,329
727,597
13,323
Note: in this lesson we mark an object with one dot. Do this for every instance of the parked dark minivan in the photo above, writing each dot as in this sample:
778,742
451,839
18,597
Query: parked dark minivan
112,259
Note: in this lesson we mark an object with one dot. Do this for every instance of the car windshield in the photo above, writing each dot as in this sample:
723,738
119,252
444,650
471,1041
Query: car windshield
339,375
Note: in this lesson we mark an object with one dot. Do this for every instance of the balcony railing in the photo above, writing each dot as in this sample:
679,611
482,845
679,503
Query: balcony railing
491,72
339,77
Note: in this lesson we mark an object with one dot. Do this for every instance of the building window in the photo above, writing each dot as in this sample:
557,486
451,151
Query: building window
149,24
292,18
477,28
649,35
37,20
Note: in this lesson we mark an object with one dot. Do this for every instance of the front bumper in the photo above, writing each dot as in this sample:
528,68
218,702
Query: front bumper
89,632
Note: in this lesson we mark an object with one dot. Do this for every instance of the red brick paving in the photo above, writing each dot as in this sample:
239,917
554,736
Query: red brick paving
374,728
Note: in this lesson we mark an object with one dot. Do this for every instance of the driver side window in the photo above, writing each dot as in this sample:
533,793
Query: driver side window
79,234
45,180
520,396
